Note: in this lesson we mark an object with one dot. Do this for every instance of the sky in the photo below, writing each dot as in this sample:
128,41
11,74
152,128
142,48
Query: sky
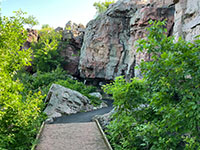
53,12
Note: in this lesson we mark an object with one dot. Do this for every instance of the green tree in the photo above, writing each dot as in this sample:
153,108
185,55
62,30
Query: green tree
32,21
19,119
0,9
46,54
46,26
161,111
103,6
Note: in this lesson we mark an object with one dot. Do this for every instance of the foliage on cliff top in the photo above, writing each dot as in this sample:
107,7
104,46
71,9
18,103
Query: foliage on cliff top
103,6
161,111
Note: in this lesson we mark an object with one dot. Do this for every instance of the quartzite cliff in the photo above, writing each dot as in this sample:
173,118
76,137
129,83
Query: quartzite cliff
108,48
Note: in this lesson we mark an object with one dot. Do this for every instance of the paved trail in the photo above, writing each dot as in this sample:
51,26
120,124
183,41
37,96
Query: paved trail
72,136
84,116
74,132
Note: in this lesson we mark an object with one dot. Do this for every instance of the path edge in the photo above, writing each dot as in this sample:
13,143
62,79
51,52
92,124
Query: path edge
38,136
103,134
43,123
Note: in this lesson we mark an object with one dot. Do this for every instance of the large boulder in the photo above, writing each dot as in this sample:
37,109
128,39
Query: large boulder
62,100
109,43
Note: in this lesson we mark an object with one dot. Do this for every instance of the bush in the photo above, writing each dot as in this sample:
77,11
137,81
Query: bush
43,81
46,54
19,119
102,6
131,104
170,116
82,88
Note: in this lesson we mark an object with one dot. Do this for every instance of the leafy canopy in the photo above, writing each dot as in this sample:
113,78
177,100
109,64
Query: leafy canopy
46,54
161,111
46,26
19,119
43,81
103,6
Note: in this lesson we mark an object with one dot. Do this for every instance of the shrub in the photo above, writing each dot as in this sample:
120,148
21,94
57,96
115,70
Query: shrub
82,88
19,119
129,100
171,116
42,81
46,54
102,6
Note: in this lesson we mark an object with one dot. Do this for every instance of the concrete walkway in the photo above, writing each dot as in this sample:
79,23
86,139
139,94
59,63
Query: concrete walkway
71,136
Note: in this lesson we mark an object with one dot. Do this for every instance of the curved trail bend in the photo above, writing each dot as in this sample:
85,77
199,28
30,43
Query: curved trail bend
84,116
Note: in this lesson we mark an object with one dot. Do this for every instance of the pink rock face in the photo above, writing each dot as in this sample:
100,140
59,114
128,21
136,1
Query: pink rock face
73,34
71,57
157,3
103,49
32,37
138,28
109,43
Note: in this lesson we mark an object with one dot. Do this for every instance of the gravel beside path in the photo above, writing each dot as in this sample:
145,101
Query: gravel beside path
71,136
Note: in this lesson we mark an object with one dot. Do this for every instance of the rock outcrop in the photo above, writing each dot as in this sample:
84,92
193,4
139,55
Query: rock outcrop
72,42
106,48
138,24
109,43
62,100
187,19
71,59
32,37
74,33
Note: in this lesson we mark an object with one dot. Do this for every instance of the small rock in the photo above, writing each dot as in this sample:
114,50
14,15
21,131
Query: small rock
103,105
96,94
105,119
